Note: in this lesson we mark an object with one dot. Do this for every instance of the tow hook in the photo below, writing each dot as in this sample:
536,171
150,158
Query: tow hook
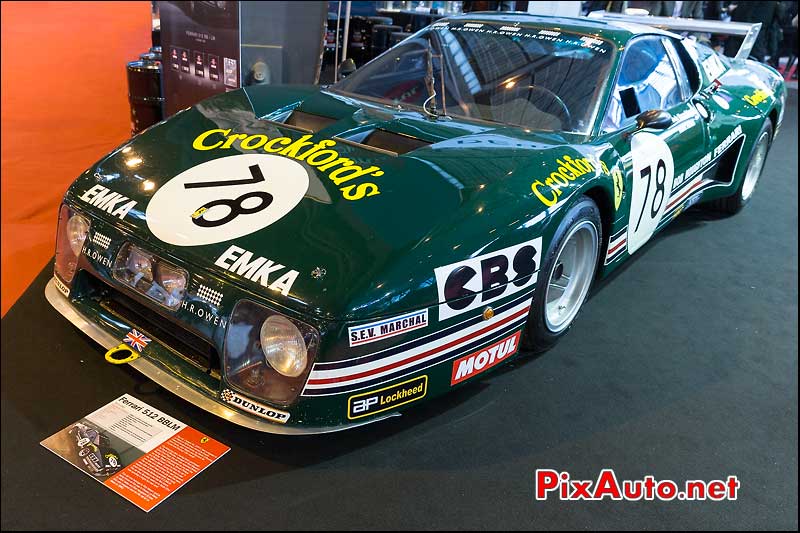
121,355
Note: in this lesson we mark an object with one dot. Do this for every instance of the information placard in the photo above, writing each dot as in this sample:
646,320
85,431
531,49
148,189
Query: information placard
136,450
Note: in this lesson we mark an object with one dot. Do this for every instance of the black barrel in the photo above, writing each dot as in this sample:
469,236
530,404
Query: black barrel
144,94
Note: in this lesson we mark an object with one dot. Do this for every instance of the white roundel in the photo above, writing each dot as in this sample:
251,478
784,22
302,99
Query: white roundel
226,198
653,170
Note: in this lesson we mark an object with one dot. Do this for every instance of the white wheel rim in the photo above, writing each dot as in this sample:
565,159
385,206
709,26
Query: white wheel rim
571,276
755,167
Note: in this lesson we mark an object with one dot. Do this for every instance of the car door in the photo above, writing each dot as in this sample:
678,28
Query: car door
655,161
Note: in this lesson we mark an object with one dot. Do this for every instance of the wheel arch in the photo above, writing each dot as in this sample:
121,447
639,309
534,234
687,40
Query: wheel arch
605,204
773,117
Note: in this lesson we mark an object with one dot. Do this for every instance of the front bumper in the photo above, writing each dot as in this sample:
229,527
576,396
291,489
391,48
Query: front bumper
171,382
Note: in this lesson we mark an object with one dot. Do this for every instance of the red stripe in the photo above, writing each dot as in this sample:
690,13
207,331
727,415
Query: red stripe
417,357
616,247
684,193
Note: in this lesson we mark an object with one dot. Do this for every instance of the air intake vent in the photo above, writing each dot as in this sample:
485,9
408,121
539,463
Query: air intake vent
308,122
388,142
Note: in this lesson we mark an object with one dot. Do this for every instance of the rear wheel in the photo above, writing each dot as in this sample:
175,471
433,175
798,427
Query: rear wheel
565,277
755,166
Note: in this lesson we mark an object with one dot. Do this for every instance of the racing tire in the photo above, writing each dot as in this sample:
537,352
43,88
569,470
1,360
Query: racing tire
755,167
568,270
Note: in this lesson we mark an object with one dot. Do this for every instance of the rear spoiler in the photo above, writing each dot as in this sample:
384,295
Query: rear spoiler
749,31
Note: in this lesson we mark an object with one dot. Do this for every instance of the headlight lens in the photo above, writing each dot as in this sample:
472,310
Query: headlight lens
268,355
77,230
72,231
151,276
283,346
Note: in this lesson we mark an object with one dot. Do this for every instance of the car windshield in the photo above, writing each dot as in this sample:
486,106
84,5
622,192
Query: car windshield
534,77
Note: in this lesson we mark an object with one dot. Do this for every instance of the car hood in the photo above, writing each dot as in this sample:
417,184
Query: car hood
464,189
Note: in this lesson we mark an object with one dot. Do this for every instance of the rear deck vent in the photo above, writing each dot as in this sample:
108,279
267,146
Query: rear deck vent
308,122
389,142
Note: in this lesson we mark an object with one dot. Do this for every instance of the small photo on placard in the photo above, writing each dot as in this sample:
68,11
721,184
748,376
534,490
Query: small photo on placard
184,60
213,67
175,58
199,64
231,73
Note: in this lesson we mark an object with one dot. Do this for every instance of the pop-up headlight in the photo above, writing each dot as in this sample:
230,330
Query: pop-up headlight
150,276
268,355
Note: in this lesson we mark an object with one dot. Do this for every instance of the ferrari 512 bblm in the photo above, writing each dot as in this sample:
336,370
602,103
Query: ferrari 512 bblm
302,259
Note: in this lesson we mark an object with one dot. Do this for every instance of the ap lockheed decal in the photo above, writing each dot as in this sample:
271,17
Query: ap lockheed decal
481,280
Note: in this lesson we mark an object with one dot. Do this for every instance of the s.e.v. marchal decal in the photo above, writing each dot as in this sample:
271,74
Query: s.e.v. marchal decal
386,328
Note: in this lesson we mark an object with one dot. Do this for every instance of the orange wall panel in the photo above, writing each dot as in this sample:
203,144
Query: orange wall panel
64,105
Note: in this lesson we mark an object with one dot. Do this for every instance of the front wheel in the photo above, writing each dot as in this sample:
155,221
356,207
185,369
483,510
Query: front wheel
565,277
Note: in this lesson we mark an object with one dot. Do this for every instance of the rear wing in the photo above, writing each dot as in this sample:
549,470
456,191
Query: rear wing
748,31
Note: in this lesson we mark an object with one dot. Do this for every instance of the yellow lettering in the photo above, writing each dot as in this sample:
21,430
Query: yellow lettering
360,191
341,161
546,201
198,142
283,141
232,139
322,157
260,140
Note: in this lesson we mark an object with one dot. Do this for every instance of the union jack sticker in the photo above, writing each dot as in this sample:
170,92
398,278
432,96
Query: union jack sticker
136,340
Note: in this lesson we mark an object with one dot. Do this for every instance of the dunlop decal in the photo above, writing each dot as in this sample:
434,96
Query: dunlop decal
253,407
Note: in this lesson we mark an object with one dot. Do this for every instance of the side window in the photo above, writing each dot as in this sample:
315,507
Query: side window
683,76
646,80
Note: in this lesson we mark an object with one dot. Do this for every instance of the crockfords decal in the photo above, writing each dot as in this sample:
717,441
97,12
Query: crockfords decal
253,407
390,327
550,190
484,359
378,401
341,170
480,280
108,200
241,262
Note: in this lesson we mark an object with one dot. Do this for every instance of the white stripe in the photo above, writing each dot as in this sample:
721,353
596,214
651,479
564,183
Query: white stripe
379,363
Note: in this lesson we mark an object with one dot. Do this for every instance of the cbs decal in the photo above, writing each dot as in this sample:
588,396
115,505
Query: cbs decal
483,279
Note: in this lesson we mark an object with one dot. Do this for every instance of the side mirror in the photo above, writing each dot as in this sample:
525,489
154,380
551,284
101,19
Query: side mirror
654,119
347,67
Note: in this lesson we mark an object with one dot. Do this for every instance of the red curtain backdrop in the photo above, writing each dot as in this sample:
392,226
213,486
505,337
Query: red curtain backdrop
64,105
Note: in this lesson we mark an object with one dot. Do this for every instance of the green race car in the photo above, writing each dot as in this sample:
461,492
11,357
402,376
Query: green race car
302,259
